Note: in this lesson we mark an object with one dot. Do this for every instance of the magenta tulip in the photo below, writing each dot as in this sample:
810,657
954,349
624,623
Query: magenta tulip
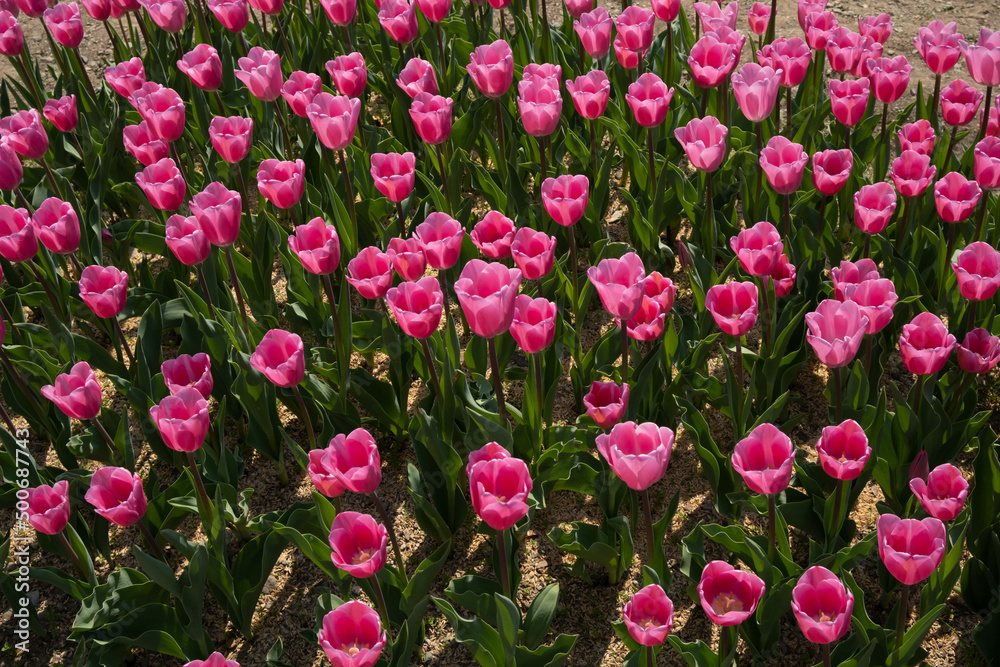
431,116
638,453
182,419
912,173
188,371
11,35
852,273
281,182
938,45
399,19
925,344
712,15
65,24
758,16
48,507
977,269
756,90
214,660
370,272
163,111
661,290
944,492
594,30
782,277
299,91
712,60
890,78
394,174
499,490
434,10
117,495
606,403
359,544
790,56
317,245
875,298
918,136
486,293
822,605
758,248
979,352
590,93
956,197
986,163
407,258
835,331
843,450
665,10
231,137
784,164
873,207
534,324
649,615
533,253
232,14
280,357
104,289
491,68
163,185
704,142
818,26
729,596
635,26
62,113
565,198
187,240
203,66
540,106
764,459
11,171
620,284
126,77
57,226
352,634
983,59
168,15
417,77
25,133
334,119
960,103
849,100
417,306
260,71
911,549
649,98
493,235
733,306
76,393
18,242
349,74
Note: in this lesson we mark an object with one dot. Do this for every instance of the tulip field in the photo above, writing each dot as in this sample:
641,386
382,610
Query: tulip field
500,332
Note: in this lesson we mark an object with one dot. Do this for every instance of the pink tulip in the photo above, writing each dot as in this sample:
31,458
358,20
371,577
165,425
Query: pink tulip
168,15
534,323
349,74
626,58
879,28
835,331
783,277
540,106
18,242
849,100
260,71
491,68
977,269
956,197
713,16
986,163
822,605
789,56
11,171
340,12
850,273
546,73
352,634
493,235
354,461
729,596
218,211
843,49
943,494
938,45
649,99
33,8
488,452
407,258
188,371
818,26
875,298
620,284
911,173
918,136
431,116
979,352
807,7
162,109
758,248
661,290
126,77
232,14
756,90
712,60
117,495
24,132
665,10
182,419
399,20
565,198
993,122
758,16
635,26
323,473
960,102
187,240
911,549
870,51
638,453
48,507
920,467
394,174
57,226
214,660
784,164
280,357
334,119
65,24
983,59
281,183
594,30
925,344
11,35
104,289
843,450
417,77
76,393
440,236
359,544
648,322
590,93
606,403
434,10
203,66
231,137
873,207
764,459
417,306
499,490
62,113
733,306
890,78
486,293
533,253
300,90
317,245
370,273
163,185
649,615
831,169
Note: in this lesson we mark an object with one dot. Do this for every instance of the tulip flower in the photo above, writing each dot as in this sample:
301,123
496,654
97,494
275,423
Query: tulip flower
162,109
533,325
590,93
188,371
620,284
231,137
764,460
661,290
359,544
784,164
911,173
606,403
280,357
986,167
340,12
431,116
576,8
64,22
666,10
978,353
323,473
843,450
491,68
76,394
733,306
939,46
11,171
214,660
835,332
540,106
712,60
11,35
260,71
944,492
299,91
182,420
352,635
349,74
756,89
565,198
818,26
407,258
955,198
712,16
594,30
533,253
232,14
440,236
649,615
203,66
918,136
758,248
831,169
317,246
852,273
417,77
728,596
911,551
960,103
281,182
218,211
790,56
638,453
417,307
635,26
370,272
649,99
704,143
18,242
399,19
758,16
822,606
105,289
163,184
24,132
843,49
126,77
48,508
62,113
782,277
117,495
925,345
875,297
57,226
648,322
168,15
849,100
187,240
394,176
626,58
977,269
873,208
493,235
890,78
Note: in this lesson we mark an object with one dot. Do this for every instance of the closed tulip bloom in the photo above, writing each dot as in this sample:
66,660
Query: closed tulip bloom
488,452
806,7
870,52
48,507
756,90
943,494
590,93
540,105
407,258
649,615
648,322
231,137
879,28
764,459
185,371
789,56
758,17
711,60
168,15
440,236
232,14
918,136
349,74
939,45
104,289
890,78
758,248
18,242
875,298
163,111
62,113
822,605
704,142
713,16
666,10
370,273
620,284
986,163
99,10
925,344
340,12
873,207
117,495
317,245
359,544
280,357
626,57
979,352
57,226
849,100
417,77
417,306
493,235
499,491
534,323
576,8
911,549
912,173
394,174
850,273
638,453
784,164
843,49
218,210
565,198
352,635
606,403
163,185
11,171
269,7
300,90
733,306
33,8
977,269
187,240
956,197
76,394
729,596
11,35
836,329
486,293
334,118
635,26
126,77
25,133
831,169
649,98
182,419
434,10
203,66
783,277
399,19
431,116
594,30
260,71
65,24
843,450
491,67
281,182
546,73
993,122
983,59
818,26
960,102
533,253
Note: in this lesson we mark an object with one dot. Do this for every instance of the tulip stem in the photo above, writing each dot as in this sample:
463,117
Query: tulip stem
650,131
146,533
502,543
903,223
904,604
668,54
444,178
982,216
73,555
593,154
55,52
349,190
50,176
826,655
624,370
769,35
961,390
7,420
502,158
838,499
12,372
343,355
544,166
125,345
305,416
23,67
204,289
435,382
239,292
571,232
287,145
788,111
986,115
400,220
934,100
771,531
440,42
725,643
106,436
738,408
48,289
540,397
383,608
202,493
400,563
868,346
648,520
838,394
766,324
752,214
651,656
951,146
786,216
708,239
497,382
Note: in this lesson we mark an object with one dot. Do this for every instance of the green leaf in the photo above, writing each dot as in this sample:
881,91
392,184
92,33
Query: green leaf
483,641
540,615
